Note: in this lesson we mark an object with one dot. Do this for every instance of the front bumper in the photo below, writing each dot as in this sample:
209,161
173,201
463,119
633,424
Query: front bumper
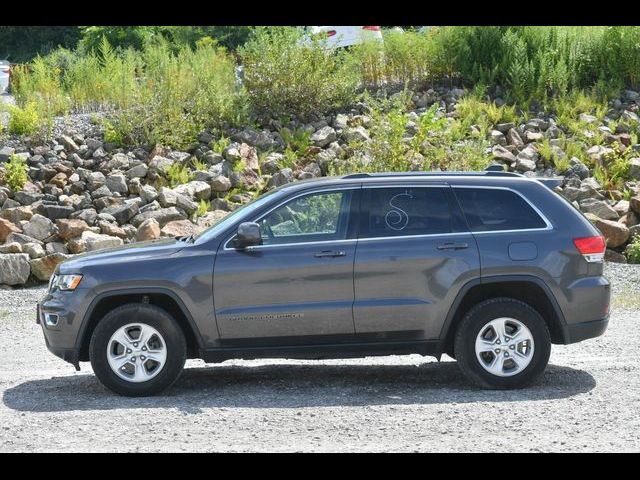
581,331
62,339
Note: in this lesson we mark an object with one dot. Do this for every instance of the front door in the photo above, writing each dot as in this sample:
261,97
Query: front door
299,282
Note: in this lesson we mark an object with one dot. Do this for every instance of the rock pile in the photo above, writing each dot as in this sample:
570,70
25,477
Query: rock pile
85,194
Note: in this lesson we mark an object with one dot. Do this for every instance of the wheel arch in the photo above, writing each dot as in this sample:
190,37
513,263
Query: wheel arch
527,288
158,296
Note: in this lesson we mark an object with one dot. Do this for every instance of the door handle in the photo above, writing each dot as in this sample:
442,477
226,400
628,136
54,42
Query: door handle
329,253
453,246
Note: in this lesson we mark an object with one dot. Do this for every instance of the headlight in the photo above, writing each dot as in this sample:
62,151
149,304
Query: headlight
64,282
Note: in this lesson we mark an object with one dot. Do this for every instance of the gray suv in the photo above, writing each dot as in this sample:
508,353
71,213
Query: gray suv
490,268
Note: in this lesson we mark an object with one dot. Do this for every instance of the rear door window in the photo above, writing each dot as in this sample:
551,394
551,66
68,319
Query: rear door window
492,209
407,211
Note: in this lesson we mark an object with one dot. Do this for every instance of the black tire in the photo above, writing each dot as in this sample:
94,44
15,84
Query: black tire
138,313
477,318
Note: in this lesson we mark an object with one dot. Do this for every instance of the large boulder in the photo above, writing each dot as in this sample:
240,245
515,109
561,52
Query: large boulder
117,183
34,250
123,213
53,212
504,155
634,168
323,137
249,156
356,134
221,184
91,241
600,208
42,268
179,228
195,189
148,230
514,138
40,227
70,228
162,215
6,228
526,159
14,268
615,233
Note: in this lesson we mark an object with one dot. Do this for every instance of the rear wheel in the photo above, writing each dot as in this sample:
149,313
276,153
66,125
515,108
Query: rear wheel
137,350
502,343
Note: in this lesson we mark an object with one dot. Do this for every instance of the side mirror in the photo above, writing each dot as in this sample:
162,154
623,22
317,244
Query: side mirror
248,235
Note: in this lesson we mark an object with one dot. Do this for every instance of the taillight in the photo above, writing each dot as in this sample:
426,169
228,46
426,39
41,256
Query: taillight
331,33
372,29
591,248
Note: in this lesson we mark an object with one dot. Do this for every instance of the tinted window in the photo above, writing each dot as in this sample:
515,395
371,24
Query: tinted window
406,211
493,209
315,217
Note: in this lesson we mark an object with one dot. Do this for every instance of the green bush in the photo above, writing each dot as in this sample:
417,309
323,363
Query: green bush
24,121
633,250
284,77
16,173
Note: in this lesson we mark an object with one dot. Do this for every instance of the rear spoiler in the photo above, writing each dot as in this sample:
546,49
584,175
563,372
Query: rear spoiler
549,182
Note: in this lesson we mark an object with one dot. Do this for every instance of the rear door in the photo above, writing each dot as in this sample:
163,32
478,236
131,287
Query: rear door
414,252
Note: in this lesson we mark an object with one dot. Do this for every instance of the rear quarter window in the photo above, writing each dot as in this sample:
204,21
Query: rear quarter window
489,209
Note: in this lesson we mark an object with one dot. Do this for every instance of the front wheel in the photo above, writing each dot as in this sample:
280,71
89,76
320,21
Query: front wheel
502,343
137,350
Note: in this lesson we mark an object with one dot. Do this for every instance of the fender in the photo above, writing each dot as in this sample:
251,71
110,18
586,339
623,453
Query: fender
497,279
134,291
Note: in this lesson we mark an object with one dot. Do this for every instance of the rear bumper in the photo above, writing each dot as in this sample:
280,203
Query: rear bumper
581,331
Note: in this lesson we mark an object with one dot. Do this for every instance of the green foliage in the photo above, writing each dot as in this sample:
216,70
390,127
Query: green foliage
387,150
537,62
113,134
162,94
562,164
545,150
428,124
407,58
285,77
177,174
119,36
633,250
204,206
199,165
16,173
219,145
297,140
22,43
615,168
24,121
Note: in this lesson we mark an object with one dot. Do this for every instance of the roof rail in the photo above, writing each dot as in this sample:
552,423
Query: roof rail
491,173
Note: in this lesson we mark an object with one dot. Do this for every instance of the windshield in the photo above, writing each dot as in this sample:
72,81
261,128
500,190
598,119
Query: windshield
226,221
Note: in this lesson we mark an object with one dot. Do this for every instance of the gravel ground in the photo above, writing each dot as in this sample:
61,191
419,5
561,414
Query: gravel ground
589,399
